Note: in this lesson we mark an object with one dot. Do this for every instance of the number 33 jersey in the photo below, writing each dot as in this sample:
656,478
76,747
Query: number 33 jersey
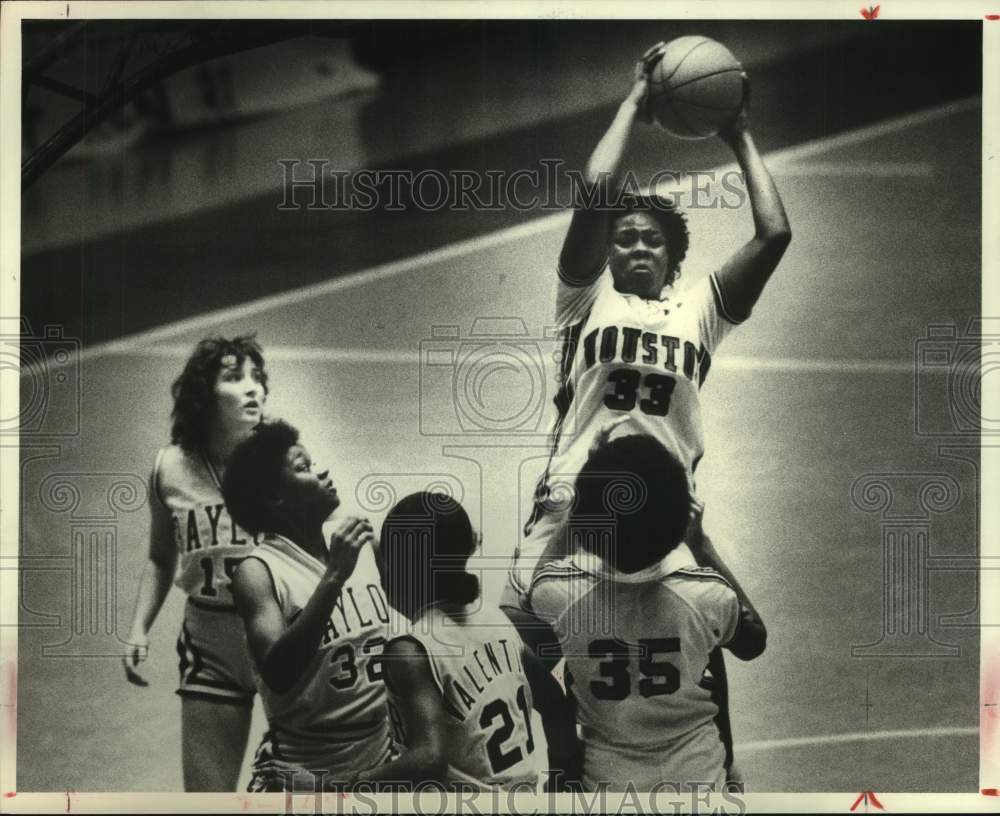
622,356
646,358
494,736
637,647
334,717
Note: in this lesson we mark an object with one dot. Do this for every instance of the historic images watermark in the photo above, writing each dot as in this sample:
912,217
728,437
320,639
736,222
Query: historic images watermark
497,379
48,365
431,797
82,509
313,184
951,365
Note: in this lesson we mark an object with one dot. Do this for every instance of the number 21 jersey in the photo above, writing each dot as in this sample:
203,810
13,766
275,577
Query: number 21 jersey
495,738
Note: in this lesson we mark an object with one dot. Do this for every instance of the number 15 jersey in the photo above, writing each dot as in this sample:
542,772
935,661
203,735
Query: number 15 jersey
623,355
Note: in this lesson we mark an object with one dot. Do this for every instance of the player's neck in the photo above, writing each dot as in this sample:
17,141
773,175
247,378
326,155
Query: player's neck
220,446
306,537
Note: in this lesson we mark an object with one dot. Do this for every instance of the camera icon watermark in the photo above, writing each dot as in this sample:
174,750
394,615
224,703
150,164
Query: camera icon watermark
497,380
951,371
48,369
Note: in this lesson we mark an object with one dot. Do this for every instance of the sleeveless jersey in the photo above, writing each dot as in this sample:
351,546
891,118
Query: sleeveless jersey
637,648
622,356
495,738
334,718
209,544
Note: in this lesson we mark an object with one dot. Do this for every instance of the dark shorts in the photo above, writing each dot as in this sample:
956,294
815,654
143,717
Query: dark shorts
214,659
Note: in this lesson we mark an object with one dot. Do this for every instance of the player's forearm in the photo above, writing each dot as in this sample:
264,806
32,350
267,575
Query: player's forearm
605,162
153,588
291,653
750,639
706,555
418,764
769,218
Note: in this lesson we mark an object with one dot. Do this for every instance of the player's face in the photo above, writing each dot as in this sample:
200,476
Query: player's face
638,255
307,491
239,394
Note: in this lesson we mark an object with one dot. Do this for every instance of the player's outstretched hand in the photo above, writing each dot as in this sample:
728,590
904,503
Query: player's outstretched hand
639,95
138,651
346,541
741,121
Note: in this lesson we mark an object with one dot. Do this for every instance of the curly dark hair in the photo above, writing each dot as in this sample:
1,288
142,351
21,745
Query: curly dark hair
641,488
194,390
425,542
253,475
672,221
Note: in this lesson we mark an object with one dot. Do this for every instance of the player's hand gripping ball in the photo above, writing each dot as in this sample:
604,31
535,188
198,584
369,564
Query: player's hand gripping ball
695,86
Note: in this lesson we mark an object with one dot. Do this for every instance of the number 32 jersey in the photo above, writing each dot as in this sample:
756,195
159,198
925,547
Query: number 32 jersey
334,717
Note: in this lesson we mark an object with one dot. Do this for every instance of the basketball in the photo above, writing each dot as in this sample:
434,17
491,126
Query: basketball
696,88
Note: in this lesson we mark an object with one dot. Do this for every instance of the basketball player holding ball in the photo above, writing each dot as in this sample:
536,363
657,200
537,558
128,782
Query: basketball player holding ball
635,344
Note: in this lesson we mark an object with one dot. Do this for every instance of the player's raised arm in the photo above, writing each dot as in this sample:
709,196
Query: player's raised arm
282,652
750,637
584,249
745,274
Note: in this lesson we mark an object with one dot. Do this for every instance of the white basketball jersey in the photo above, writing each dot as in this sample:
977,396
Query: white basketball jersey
209,544
625,355
637,648
495,738
335,716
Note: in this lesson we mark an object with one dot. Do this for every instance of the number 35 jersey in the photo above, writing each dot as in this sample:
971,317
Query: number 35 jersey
637,647
334,717
495,738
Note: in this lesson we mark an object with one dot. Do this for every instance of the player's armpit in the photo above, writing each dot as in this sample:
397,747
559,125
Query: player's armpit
162,546
750,637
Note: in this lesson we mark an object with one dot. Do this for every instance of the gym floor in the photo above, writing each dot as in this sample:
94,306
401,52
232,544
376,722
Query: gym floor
815,392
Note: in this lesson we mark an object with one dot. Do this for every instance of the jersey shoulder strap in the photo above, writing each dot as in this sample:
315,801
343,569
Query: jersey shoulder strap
702,573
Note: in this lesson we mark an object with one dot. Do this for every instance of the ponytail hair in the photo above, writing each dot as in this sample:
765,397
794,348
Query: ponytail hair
459,588
425,542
